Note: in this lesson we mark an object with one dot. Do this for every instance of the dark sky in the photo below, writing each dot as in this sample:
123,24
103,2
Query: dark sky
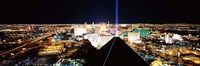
80,11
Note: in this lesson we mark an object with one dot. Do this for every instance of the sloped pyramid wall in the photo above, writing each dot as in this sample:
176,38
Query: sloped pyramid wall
120,55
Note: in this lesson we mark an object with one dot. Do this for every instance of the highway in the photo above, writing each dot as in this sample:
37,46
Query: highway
27,43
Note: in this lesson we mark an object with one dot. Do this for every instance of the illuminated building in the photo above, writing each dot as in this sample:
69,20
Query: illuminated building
134,37
123,34
113,30
144,32
58,37
93,38
168,39
79,31
28,28
52,49
177,37
98,41
103,28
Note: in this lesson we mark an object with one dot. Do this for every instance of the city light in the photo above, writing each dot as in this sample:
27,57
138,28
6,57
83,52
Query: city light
155,45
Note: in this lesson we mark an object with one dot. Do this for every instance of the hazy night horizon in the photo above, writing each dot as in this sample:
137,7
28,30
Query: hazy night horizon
75,12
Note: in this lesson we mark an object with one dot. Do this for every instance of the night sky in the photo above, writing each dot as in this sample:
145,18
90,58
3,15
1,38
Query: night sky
80,11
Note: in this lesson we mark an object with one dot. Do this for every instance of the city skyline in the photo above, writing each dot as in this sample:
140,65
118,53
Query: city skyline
99,44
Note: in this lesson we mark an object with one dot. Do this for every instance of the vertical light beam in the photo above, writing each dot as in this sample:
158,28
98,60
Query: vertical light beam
116,15
116,12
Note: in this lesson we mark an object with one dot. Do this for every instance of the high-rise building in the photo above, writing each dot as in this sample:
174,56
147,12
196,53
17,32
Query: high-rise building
144,32
79,31
134,37
168,39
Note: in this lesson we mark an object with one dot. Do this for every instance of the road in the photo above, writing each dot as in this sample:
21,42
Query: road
27,44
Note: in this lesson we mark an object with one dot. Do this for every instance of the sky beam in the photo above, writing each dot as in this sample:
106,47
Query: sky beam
116,12
116,15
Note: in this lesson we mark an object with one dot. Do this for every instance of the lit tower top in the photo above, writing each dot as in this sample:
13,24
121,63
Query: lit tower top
108,23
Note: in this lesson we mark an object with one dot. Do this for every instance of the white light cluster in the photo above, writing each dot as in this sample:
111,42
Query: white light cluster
98,41
134,37
79,31
177,37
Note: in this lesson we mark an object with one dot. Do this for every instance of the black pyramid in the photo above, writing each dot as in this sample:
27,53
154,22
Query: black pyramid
120,55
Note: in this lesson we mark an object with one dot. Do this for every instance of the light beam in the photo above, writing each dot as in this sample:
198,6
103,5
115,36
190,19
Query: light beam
116,16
